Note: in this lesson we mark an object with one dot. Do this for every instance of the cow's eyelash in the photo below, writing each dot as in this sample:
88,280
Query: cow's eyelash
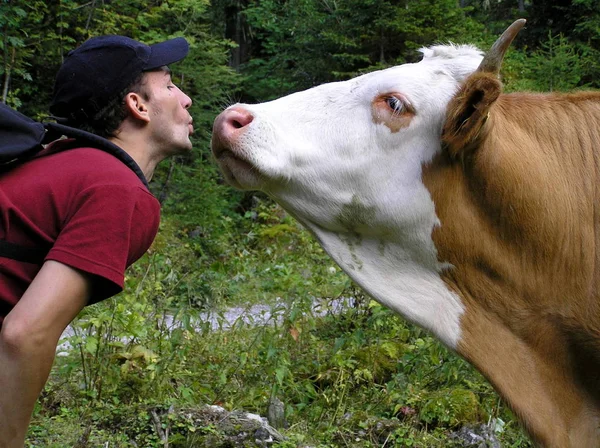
395,104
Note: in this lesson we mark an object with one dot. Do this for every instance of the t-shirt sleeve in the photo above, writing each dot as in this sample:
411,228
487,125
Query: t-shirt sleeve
110,228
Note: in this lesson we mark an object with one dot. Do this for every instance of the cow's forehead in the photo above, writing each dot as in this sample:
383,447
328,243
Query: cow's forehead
441,68
440,62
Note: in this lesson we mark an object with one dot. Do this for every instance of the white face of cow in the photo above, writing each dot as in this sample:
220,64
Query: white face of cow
345,159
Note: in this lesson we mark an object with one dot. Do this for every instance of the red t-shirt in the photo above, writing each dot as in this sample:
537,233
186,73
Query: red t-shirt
87,205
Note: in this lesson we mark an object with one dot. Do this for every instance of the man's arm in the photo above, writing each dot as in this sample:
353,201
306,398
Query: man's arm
28,339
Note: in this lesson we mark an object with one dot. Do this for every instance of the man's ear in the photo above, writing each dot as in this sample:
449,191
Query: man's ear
468,111
137,106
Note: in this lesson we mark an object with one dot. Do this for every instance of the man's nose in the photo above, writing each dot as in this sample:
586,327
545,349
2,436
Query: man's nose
186,101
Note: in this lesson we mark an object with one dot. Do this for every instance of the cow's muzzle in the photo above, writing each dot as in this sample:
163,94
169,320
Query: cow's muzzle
227,129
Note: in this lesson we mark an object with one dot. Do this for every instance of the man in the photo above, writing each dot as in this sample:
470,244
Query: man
91,210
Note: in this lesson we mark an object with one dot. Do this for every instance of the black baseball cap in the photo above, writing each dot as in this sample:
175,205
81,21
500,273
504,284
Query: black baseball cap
104,66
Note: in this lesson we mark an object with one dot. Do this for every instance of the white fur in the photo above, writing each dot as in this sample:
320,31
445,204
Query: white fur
357,185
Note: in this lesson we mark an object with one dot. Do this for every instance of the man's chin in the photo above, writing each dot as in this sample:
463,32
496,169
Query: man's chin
183,149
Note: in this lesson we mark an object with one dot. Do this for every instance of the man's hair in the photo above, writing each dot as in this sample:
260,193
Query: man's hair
107,121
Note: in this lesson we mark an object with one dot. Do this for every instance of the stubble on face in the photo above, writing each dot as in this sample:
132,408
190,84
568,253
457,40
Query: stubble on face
170,119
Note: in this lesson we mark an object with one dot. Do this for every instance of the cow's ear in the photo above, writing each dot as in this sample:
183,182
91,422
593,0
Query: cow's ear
467,113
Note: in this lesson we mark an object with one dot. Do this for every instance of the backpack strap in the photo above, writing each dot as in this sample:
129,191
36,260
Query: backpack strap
55,130
21,138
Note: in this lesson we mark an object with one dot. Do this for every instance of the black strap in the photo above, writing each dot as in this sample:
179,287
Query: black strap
83,138
26,137
55,130
21,253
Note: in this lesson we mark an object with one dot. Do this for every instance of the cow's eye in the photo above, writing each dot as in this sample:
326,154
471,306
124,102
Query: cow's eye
393,110
395,104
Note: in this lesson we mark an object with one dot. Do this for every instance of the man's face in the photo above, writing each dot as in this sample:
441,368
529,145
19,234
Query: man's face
171,123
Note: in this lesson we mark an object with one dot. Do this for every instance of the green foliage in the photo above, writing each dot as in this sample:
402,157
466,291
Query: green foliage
453,407
17,45
351,376
555,66
307,42
38,35
348,370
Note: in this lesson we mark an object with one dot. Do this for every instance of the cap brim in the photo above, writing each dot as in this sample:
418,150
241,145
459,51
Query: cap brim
168,52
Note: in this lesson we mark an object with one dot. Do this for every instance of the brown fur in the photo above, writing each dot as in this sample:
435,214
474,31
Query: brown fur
516,193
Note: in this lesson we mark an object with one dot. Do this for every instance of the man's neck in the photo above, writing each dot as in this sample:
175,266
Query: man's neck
140,153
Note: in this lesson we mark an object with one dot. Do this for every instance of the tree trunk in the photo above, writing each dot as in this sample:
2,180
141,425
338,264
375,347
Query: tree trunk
5,89
91,14
7,69
235,29
165,188
238,38
381,46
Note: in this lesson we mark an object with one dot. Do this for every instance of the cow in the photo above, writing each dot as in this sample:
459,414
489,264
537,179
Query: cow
471,212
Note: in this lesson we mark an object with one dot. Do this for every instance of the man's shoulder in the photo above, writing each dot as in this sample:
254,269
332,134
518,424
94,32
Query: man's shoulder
84,162
69,173
81,155
68,148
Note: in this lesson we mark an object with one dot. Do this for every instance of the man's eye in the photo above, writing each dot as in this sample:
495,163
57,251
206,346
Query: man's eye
395,104
170,87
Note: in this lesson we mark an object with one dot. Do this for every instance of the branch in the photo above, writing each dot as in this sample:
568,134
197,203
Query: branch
164,191
158,425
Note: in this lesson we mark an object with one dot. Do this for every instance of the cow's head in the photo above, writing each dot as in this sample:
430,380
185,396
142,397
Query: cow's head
346,160
346,155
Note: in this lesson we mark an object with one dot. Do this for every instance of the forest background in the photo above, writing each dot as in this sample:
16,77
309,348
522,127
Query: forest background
136,368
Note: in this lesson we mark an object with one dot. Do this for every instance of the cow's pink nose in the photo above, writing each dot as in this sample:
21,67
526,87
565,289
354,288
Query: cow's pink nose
237,117
228,126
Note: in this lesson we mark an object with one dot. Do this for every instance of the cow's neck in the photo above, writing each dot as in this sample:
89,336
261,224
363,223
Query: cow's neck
521,266
399,276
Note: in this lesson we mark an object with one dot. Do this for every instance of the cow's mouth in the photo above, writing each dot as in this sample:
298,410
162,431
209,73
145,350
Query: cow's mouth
231,153
238,172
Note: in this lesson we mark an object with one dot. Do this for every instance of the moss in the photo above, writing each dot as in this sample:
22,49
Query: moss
451,407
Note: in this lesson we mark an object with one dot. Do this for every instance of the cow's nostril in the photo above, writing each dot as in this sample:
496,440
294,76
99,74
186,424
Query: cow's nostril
228,126
238,117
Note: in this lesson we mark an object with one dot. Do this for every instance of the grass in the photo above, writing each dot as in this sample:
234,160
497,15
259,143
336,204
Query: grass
356,377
